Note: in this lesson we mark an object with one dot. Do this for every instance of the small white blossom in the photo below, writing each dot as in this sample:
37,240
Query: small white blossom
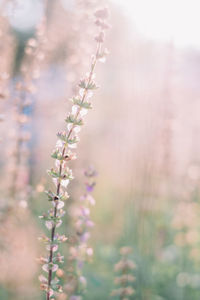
102,59
54,268
55,181
89,251
69,126
82,92
45,268
83,112
91,200
58,223
89,94
49,224
42,279
59,144
60,204
64,182
72,146
74,109
77,129
57,163
53,247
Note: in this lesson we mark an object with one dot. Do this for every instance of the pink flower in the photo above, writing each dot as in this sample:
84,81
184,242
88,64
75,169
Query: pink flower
54,247
89,251
43,279
102,13
58,223
91,200
49,224
45,268
100,37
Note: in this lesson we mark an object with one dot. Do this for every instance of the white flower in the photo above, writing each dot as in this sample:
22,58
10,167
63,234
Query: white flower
57,163
89,94
85,211
55,181
77,129
49,224
58,223
64,182
53,247
83,112
82,92
59,144
45,268
72,146
102,59
54,268
89,251
69,126
91,200
42,279
74,109
60,204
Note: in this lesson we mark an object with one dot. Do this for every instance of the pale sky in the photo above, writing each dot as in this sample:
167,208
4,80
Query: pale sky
161,20
166,19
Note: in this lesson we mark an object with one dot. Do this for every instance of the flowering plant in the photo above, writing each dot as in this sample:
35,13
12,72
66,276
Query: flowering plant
61,174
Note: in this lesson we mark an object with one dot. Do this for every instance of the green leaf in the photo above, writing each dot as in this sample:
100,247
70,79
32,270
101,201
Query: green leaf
57,155
62,136
92,86
53,173
78,101
88,86
71,119
73,140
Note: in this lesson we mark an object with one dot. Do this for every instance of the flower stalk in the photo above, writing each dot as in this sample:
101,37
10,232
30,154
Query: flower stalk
61,174
79,251
124,268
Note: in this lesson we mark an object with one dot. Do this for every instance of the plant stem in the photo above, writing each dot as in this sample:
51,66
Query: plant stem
61,168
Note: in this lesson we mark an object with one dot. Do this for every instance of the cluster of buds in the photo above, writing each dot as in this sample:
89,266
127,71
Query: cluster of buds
124,268
79,252
62,175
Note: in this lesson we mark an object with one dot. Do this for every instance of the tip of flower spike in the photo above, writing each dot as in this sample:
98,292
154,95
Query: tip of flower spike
102,13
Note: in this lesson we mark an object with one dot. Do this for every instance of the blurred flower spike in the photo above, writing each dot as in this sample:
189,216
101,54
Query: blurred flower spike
124,268
80,251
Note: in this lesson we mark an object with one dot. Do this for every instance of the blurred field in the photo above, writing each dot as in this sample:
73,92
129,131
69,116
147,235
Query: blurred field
142,136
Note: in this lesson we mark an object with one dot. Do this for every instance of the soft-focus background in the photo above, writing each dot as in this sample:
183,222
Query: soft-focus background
143,138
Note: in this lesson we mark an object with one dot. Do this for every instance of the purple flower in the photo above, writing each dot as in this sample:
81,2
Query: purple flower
90,187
